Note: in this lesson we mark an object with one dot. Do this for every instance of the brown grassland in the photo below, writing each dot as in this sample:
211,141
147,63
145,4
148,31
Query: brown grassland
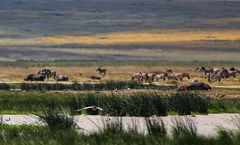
123,73
117,73
189,45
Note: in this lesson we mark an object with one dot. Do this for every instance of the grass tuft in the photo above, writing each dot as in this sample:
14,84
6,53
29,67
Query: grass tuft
56,120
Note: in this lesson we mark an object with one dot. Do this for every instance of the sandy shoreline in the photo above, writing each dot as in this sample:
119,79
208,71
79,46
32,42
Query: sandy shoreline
206,125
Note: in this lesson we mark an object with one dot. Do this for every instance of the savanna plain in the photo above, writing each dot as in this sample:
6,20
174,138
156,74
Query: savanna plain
104,56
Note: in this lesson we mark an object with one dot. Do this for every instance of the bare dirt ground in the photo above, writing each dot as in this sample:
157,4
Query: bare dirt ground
206,125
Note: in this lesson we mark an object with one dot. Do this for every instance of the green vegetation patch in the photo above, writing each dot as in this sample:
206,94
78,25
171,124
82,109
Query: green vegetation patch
136,104
109,85
71,63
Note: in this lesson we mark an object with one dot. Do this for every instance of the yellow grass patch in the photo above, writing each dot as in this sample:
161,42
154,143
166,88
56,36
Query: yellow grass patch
157,36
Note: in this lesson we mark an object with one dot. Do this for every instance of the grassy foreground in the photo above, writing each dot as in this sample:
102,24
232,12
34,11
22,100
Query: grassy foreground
61,130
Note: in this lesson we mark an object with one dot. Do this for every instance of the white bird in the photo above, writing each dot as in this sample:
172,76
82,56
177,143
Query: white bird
94,108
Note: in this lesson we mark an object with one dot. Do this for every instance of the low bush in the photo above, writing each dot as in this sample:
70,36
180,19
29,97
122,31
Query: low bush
56,120
4,86
109,85
136,104
186,103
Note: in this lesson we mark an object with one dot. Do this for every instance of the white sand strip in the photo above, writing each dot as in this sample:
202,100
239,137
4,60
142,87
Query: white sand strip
206,125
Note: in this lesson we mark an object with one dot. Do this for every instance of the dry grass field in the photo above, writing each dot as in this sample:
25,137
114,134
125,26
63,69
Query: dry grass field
117,73
123,73
120,30
132,37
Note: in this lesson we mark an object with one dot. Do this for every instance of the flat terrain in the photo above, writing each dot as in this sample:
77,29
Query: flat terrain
228,88
74,37
120,30
117,73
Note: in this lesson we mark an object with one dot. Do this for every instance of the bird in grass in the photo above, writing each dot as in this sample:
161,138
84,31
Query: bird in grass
94,108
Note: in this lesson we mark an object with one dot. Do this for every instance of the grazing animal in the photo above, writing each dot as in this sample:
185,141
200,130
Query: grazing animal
53,74
223,73
62,78
168,71
137,76
232,69
206,70
48,73
95,78
181,76
216,70
170,76
35,77
150,77
177,76
197,68
143,76
160,76
101,71
195,86
214,77
232,74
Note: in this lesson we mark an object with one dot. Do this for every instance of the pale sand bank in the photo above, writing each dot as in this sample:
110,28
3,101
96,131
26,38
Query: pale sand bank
206,125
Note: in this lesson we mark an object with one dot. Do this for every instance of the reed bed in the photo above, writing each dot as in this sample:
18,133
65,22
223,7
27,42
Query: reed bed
134,104
108,85
4,86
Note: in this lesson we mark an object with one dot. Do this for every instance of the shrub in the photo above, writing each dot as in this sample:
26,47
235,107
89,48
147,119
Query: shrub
4,86
156,127
186,103
56,120
109,85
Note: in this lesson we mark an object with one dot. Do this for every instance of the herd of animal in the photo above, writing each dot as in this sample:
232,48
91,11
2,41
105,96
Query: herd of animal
212,74
43,74
218,74
101,71
168,73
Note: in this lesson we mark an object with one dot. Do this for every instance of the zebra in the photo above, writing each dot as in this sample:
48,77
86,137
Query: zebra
101,71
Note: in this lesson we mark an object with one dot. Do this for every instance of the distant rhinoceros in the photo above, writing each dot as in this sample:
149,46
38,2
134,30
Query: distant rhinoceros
195,86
